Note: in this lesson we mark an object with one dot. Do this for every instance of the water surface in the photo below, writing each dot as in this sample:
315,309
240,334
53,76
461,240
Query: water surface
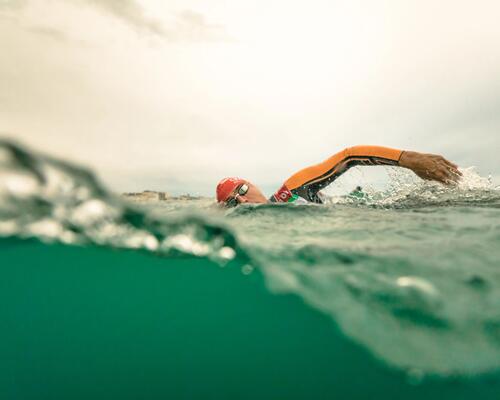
393,294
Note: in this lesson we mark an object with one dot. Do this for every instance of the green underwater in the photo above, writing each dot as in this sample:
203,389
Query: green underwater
386,295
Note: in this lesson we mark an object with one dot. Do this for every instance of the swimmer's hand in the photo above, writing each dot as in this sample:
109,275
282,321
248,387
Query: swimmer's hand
430,167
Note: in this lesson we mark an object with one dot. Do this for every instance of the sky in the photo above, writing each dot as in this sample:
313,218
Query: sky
174,95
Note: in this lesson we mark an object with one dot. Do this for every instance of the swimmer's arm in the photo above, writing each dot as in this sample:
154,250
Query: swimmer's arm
321,175
426,166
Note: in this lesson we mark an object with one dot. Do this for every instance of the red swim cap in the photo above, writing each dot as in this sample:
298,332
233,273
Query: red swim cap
226,187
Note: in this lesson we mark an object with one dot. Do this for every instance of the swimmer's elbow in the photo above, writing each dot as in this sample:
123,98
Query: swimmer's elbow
352,151
372,151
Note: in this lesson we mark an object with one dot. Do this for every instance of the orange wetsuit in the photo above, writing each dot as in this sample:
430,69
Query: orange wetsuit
305,184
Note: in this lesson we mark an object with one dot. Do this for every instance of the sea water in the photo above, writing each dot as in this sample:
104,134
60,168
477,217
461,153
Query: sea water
391,294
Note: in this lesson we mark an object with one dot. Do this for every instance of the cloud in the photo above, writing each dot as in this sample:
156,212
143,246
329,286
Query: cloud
12,4
184,26
9,9
131,12
187,25
49,32
192,25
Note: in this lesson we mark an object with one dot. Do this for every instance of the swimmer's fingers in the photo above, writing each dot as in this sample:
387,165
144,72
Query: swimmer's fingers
449,172
448,175
456,175
443,176
439,171
435,173
452,167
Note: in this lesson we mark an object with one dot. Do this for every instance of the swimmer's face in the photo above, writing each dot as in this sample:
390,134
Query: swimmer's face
253,195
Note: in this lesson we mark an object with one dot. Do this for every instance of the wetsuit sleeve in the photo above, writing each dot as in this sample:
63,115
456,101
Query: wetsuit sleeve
309,181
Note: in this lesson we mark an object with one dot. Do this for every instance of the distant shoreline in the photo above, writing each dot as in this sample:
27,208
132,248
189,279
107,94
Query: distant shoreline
154,195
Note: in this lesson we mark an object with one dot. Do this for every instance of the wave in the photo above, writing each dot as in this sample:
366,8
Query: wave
46,198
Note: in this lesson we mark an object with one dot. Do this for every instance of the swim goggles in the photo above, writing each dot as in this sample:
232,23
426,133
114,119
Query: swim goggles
233,201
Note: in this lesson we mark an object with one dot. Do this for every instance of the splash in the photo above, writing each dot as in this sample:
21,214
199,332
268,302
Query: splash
406,190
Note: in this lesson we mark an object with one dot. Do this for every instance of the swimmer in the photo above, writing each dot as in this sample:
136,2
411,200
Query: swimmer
304,186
